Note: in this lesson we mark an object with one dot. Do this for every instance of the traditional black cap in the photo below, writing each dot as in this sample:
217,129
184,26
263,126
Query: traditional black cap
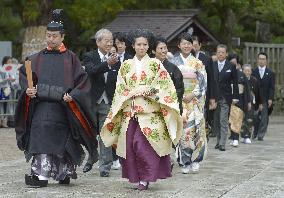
57,21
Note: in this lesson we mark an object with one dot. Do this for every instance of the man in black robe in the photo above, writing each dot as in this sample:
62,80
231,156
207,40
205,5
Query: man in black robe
53,118
256,102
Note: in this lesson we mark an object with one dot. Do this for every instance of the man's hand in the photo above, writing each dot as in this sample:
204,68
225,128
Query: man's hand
188,98
269,103
112,59
212,104
31,92
67,97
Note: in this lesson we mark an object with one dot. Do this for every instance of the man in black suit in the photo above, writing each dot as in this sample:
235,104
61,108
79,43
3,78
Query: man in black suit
225,74
120,43
102,68
160,51
211,84
256,101
266,78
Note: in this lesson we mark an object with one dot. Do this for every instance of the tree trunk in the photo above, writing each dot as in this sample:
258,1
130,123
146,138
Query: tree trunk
34,40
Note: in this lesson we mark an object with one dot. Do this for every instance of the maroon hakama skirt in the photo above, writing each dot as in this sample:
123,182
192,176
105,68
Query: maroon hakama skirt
142,163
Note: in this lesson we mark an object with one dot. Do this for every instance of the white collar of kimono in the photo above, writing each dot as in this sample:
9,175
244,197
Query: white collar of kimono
184,60
139,64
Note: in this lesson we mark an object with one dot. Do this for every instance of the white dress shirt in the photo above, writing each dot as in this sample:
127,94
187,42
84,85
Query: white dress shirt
261,71
121,57
104,95
221,65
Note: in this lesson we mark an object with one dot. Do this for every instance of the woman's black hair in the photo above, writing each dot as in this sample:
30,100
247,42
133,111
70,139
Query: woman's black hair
133,35
121,36
184,36
5,59
157,41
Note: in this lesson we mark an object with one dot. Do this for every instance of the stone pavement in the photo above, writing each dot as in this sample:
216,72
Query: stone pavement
255,170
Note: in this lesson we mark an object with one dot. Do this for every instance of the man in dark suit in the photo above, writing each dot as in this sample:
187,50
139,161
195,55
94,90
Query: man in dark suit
120,43
160,51
225,74
266,78
102,68
256,101
211,84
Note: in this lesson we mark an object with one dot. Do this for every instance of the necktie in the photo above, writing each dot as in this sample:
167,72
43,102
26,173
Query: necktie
220,66
104,59
261,73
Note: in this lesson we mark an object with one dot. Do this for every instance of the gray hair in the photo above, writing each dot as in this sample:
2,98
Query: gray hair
247,65
223,46
100,34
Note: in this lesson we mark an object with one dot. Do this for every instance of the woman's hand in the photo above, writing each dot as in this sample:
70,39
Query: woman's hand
31,92
187,98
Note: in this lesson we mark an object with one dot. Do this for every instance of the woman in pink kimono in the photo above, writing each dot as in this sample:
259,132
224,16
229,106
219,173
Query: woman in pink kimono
144,119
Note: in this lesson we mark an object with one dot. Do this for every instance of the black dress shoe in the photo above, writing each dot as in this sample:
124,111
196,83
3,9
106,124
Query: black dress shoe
87,167
104,174
260,138
217,146
222,148
65,181
33,181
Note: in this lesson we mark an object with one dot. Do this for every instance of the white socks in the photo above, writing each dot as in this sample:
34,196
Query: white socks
143,183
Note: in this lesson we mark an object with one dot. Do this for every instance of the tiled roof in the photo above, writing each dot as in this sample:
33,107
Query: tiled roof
166,23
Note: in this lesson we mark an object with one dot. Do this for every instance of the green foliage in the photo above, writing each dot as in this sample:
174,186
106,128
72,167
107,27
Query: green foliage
225,18
10,23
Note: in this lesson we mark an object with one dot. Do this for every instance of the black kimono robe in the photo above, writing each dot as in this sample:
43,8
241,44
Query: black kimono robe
47,124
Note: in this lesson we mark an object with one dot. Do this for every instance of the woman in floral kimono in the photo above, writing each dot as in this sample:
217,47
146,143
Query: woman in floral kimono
193,143
144,119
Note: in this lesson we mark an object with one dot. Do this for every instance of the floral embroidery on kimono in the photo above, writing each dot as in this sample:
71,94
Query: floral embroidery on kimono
157,114
194,134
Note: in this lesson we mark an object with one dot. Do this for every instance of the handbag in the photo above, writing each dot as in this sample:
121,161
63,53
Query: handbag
236,119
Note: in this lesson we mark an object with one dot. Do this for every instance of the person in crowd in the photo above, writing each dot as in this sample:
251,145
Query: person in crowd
256,102
193,145
244,99
119,47
211,84
5,92
102,68
53,118
266,79
226,75
160,51
144,119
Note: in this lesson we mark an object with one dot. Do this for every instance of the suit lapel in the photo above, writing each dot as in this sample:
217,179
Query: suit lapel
223,71
97,57
265,74
215,70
